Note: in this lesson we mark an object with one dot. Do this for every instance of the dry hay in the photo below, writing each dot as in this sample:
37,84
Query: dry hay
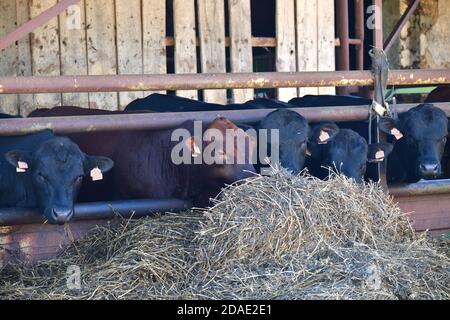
278,237
139,259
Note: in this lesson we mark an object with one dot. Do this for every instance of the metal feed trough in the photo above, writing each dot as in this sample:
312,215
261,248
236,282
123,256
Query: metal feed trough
428,202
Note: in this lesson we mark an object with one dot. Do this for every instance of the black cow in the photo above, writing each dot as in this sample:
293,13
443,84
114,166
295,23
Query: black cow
329,101
294,134
440,94
7,116
41,170
157,102
422,134
346,152
361,128
294,131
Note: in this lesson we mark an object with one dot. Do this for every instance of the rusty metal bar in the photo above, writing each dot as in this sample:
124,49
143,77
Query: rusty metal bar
412,7
99,210
156,82
35,23
155,121
343,33
359,33
378,31
421,188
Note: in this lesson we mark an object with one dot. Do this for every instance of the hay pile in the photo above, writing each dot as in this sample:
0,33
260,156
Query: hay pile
139,259
278,237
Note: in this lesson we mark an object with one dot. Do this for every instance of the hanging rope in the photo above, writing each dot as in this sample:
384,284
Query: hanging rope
380,71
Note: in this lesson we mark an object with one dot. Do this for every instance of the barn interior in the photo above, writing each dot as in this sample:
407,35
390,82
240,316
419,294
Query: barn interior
135,37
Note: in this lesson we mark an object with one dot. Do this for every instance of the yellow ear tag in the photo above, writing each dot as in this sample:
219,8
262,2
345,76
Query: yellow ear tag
96,174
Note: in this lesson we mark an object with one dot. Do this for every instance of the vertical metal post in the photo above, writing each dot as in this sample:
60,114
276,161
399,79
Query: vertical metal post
342,28
359,33
378,43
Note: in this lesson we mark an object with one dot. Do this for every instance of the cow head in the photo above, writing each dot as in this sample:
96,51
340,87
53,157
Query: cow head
293,136
227,153
346,152
224,155
421,134
56,170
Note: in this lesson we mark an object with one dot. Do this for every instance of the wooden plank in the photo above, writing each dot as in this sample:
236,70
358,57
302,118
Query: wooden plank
257,42
185,41
101,48
129,44
241,44
72,27
428,212
154,37
26,102
45,52
41,241
326,39
8,57
286,52
211,17
306,12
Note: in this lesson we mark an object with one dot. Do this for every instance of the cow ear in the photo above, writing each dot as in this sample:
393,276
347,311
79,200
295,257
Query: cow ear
324,133
19,159
390,126
103,163
377,152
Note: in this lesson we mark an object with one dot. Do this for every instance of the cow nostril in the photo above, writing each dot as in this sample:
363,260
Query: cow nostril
429,168
62,214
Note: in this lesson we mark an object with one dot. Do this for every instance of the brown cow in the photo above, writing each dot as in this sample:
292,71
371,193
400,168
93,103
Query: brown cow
144,167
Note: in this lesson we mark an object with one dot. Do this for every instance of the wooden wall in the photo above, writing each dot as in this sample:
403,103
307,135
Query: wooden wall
130,37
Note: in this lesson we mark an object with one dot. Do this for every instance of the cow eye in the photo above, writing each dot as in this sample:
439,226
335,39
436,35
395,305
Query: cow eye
444,140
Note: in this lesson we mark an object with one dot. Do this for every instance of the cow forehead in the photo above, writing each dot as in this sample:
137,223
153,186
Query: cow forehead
425,122
348,143
59,151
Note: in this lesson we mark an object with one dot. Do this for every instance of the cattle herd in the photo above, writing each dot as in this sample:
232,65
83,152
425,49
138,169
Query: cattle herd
50,172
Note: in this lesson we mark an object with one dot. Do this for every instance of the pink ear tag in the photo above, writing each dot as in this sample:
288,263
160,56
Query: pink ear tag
379,155
396,133
96,174
308,153
324,136
21,166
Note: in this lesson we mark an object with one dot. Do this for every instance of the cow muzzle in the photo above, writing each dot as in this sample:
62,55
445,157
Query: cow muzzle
429,170
61,215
